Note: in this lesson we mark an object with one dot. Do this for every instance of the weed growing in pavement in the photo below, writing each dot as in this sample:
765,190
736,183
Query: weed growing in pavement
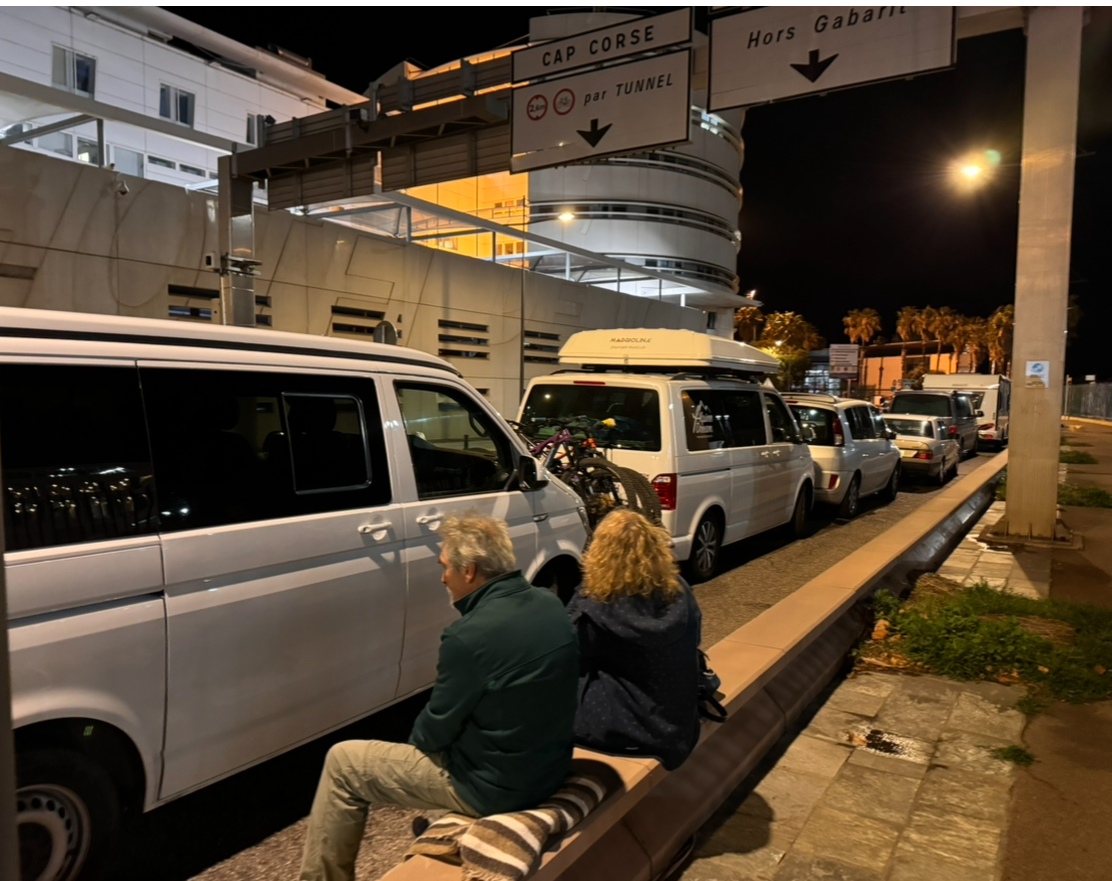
1059,649
1070,442
1076,457
1068,494
1017,754
1030,705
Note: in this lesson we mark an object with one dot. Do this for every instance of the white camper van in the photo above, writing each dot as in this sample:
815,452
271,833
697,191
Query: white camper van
988,393
221,543
690,412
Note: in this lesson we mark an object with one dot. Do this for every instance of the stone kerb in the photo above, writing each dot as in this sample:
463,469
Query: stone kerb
771,668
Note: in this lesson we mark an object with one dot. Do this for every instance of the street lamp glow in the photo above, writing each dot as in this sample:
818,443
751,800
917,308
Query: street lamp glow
566,216
971,171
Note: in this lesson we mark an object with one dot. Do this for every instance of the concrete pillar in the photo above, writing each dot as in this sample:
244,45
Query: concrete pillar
9,851
1042,266
236,222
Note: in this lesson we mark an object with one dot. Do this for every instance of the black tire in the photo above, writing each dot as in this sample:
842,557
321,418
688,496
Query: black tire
943,473
67,817
706,547
648,502
561,580
892,489
797,526
851,502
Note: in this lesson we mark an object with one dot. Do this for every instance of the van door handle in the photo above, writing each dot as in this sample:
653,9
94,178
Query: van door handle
539,518
426,519
765,454
373,528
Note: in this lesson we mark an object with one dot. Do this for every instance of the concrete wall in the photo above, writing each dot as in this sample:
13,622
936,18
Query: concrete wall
69,240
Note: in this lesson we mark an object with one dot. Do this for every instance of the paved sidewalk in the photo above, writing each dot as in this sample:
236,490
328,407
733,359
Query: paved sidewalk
893,779
1024,572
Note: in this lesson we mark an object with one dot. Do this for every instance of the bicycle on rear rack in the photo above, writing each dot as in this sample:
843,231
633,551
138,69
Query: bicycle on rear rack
572,454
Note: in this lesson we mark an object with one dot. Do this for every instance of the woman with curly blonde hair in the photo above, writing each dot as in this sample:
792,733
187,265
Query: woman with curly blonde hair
639,631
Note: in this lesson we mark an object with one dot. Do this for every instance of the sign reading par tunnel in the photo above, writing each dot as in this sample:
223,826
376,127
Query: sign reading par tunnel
778,52
617,109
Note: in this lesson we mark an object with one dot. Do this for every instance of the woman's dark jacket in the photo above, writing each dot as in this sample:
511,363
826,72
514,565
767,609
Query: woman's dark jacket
639,675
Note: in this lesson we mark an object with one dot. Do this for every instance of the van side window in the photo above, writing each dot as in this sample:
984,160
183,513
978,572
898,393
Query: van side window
879,427
77,467
236,446
963,406
745,418
456,448
781,423
860,423
703,420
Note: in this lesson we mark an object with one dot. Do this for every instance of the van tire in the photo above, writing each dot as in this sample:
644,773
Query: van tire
68,816
706,545
851,502
796,528
561,576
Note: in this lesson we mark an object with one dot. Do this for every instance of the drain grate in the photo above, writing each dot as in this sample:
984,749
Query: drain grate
886,744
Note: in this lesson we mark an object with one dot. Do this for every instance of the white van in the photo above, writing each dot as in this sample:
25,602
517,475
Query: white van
220,544
989,393
686,410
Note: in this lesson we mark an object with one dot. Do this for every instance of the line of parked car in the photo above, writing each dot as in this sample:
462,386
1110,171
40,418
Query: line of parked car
221,543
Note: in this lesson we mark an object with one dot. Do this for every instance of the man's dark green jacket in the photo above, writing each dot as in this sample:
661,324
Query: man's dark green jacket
503,706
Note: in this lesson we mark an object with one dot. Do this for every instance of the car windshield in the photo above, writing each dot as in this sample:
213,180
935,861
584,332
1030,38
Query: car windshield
821,421
921,405
616,416
910,427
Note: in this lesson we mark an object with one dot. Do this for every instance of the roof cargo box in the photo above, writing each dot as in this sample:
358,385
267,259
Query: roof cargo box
643,349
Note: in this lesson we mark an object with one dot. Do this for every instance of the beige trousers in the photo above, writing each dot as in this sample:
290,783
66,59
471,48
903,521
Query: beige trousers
358,774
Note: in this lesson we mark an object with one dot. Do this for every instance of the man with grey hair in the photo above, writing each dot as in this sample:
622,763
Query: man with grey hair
496,735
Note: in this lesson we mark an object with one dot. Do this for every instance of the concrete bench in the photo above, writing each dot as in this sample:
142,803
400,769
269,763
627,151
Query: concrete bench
771,669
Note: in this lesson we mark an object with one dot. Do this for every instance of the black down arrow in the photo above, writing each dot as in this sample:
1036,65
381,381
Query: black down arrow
814,68
594,134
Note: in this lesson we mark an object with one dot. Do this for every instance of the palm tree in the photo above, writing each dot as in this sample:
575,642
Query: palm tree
792,331
1000,328
942,326
960,337
978,341
924,326
907,322
862,325
747,323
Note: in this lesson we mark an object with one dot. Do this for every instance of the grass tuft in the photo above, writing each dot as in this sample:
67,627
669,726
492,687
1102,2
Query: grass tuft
1084,496
1030,705
1076,457
1056,648
1070,442
1015,754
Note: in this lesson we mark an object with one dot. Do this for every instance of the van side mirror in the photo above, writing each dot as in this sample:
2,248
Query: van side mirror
891,433
526,475
979,413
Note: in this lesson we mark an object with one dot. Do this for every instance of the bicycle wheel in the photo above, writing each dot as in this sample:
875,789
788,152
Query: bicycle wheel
648,502
600,486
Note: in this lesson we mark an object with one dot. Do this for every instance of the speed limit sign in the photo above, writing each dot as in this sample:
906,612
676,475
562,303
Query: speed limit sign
537,107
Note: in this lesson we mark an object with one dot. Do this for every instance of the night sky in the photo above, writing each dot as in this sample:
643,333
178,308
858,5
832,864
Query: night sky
847,202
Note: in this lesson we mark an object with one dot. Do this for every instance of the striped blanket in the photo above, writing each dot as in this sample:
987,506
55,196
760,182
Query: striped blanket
508,847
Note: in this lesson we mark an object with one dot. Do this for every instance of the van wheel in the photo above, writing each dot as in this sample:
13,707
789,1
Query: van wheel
852,500
892,490
67,816
704,549
797,526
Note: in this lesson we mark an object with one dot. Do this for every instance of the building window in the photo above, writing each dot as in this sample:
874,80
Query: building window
251,128
73,71
191,169
176,104
448,244
128,161
87,151
504,248
158,160
56,142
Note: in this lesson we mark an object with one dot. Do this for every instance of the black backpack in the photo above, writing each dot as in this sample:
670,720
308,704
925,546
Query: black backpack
709,683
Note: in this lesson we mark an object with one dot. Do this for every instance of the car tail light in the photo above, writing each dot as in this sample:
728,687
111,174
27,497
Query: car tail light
953,431
924,454
988,426
665,486
839,435
833,482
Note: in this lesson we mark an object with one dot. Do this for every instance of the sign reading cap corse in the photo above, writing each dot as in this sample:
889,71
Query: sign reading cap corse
618,109
603,44
778,52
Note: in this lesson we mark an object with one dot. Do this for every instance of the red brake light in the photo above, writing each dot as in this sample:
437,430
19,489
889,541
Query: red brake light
988,426
925,454
953,431
665,486
586,382
839,434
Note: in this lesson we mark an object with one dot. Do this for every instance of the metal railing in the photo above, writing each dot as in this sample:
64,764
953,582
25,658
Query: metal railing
1092,400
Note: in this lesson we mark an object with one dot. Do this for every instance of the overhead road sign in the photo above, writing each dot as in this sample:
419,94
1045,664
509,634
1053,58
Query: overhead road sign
617,109
779,52
602,44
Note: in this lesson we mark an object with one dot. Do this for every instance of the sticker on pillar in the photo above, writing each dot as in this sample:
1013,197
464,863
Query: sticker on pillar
1038,374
